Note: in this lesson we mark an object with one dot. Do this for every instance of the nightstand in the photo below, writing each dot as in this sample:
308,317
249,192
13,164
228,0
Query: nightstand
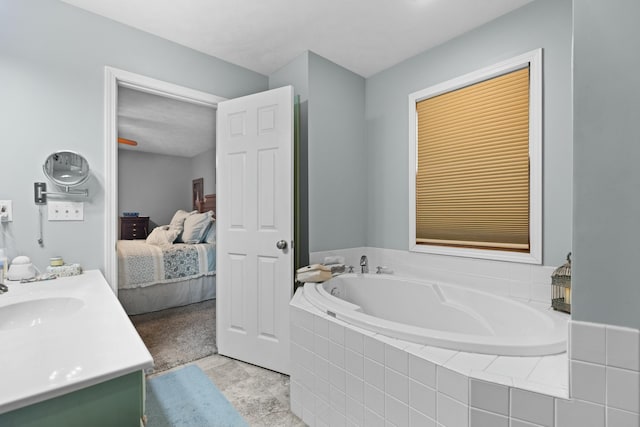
134,227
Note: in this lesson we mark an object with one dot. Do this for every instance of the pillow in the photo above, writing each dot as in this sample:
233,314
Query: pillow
196,226
177,222
161,236
210,237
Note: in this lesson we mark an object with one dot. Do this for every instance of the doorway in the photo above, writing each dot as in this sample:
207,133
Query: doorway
115,79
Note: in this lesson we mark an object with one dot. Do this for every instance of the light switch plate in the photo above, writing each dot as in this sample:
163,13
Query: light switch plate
65,211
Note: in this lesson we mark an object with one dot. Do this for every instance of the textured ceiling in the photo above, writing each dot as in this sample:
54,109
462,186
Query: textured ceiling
163,125
364,36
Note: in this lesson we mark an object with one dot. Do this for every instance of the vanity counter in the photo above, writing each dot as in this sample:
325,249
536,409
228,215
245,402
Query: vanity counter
63,335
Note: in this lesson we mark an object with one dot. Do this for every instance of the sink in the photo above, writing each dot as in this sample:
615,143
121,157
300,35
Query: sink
27,314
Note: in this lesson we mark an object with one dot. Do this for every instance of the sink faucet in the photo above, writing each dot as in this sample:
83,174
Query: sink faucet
364,264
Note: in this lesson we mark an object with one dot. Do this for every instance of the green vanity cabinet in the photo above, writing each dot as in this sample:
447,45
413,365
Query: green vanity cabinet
118,402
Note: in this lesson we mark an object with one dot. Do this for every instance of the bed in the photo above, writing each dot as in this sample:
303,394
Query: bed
154,277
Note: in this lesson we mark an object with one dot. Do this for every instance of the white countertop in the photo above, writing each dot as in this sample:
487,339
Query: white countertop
55,354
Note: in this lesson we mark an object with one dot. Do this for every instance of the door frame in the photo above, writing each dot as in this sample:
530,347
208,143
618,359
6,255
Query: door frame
113,78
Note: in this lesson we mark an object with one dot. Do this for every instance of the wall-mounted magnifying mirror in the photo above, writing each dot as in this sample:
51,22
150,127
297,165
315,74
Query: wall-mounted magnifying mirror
66,169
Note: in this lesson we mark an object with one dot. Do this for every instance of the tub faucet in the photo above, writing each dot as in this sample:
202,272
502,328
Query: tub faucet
364,264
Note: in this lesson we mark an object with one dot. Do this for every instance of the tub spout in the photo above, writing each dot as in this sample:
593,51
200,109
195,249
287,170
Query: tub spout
364,264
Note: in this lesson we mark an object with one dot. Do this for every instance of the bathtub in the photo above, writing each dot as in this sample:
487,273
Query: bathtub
440,315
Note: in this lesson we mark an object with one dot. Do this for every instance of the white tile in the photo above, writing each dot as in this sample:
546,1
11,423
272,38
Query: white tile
307,378
541,274
323,389
479,418
321,346
464,362
552,370
396,359
302,337
453,384
518,289
452,413
575,413
295,391
321,367
623,348
374,399
422,398
336,333
354,363
321,327
516,367
338,419
436,355
618,418
354,341
338,400
308,400
519,272
374,373
519,423
540,293
355,411
422,370
588,342
396,412
489,396
523,384
416,419
296,408
321,423
623,389
337,378
302,318
336,354
494,378
371,419
323,412
374,349
588,382
355,388
397,385
308,417
532,407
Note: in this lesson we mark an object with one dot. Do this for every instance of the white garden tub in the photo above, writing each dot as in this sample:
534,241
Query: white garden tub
447,316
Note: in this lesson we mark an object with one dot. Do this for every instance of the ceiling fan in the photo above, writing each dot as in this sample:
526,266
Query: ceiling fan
127,141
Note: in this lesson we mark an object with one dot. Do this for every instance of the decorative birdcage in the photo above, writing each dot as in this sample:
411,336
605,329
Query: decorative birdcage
561,287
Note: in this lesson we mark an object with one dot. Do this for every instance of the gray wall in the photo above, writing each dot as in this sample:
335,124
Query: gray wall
296,73
543,23
153,184
204,166
337,157
52,58
333,165
606,230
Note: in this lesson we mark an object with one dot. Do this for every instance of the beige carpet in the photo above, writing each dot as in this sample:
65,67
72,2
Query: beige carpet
178,335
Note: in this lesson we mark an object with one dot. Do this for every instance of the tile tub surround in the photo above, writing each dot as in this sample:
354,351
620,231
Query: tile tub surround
525,282
347,376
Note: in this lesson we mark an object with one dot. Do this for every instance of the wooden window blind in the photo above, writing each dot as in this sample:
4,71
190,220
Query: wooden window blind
472,182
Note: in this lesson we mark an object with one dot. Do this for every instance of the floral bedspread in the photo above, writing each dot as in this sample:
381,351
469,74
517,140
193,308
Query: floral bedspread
141,264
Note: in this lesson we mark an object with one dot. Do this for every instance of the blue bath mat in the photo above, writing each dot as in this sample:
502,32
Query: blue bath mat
187,398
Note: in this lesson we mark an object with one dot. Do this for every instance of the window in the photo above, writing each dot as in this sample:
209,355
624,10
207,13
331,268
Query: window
475,163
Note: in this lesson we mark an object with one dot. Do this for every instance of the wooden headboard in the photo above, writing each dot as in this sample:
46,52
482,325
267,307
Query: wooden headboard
208,204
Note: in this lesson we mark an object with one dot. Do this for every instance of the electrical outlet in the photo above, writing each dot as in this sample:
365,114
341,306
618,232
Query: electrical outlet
65,211
6,211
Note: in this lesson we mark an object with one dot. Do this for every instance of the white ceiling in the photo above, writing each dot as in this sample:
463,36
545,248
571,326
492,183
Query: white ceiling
163,125
364,36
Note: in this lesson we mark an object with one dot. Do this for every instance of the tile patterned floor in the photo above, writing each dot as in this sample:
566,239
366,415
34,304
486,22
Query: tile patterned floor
261,396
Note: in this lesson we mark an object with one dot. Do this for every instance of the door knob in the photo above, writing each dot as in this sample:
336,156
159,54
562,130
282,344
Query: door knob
281,244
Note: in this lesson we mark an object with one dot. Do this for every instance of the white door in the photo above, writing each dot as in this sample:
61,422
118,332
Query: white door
255,227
